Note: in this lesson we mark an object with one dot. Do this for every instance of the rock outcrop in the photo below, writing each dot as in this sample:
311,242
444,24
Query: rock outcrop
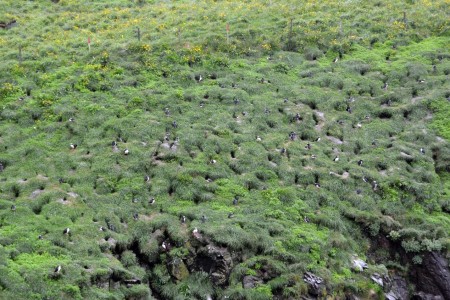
432,276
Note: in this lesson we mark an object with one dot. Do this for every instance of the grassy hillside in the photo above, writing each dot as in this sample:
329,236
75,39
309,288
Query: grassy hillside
369,78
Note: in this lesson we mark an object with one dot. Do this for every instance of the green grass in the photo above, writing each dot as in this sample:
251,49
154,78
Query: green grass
254,84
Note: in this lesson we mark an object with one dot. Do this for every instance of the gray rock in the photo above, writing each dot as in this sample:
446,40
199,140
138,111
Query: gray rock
424,296
315,283
215,261
377,278
433,276
250,282
178,269
398,290
359,264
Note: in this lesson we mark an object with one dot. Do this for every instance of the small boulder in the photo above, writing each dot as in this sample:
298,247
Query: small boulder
178,269
250,282
315,283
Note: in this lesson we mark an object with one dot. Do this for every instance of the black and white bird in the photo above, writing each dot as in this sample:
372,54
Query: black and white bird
258,138
126,151
135,216
102,228
203,218
365,179
336,158
317,185
213,161
230,215
66,230
71,119
183,219
336,59
374,185
360,162
57,269
236,101
422,150
174,124
235,200
385,86
196,233
167,111
308,146
13,208
40,237
358,191
283,150
198,77
114,143
152,200
164,246
318,139
313,156
73,146
292,135
146,178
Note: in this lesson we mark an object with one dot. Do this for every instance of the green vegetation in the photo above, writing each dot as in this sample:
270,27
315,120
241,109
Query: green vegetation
203,143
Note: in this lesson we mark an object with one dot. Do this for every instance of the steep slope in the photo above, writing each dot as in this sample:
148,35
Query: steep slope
302,150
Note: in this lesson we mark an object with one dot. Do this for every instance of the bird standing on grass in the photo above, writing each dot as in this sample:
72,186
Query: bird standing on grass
198,77
66,231
57,269
196,233
126,151
374,185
